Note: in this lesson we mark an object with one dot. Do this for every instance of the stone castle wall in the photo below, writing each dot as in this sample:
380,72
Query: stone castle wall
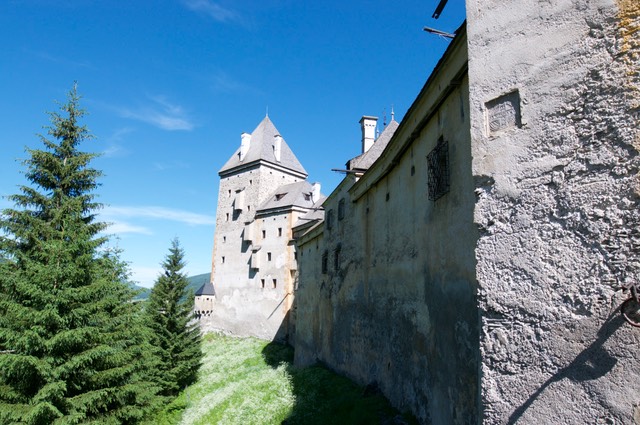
554,124
396,306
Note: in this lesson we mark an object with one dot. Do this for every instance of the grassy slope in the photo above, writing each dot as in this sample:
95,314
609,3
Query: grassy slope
248,381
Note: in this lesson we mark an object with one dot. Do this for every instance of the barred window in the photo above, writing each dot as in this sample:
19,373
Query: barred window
438,177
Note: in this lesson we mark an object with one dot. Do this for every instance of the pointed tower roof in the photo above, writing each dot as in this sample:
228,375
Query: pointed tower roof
205,289
262,147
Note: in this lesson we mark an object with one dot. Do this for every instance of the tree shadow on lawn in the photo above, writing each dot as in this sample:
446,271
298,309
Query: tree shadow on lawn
324,398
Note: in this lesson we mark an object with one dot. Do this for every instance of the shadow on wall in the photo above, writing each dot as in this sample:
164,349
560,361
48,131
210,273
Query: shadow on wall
592,363
322,397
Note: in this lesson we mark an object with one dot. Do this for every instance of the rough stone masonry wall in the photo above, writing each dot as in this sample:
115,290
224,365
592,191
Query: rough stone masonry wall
554,122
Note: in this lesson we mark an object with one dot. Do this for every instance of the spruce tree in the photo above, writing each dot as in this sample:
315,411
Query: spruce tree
176,335
72,344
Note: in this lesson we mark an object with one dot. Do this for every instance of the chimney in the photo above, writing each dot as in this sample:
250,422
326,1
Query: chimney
245,141
277,146
315,194
368,125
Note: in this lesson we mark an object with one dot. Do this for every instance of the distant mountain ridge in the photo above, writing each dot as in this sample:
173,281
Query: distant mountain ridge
195,282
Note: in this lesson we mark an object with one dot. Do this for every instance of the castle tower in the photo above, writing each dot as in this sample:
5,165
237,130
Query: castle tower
263,190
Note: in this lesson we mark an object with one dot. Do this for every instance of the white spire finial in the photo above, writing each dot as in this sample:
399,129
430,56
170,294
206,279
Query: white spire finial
392,113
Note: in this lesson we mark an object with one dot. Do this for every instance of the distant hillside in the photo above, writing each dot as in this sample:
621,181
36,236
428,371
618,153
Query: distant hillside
143,293
195,282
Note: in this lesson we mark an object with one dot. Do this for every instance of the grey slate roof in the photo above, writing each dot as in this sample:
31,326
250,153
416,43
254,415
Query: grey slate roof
316,213
294,194
206,289
367,159
261,148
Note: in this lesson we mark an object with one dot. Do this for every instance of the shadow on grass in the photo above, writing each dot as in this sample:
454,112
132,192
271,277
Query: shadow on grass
324,398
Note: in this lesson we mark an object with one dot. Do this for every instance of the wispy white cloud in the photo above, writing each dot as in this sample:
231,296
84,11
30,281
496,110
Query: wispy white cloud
62,60
145,276
160,213
114,143
214,10
222,82
121,227
160,113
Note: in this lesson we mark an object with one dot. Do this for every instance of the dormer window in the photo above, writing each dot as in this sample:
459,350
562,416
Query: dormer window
280,196
307,196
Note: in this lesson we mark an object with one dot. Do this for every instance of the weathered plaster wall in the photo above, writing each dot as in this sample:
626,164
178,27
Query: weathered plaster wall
398,307
554,123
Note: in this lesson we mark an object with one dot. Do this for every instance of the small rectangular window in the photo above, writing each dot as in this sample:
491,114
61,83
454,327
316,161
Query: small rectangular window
227,216
222,260
275,283
262,283
279,231
264,234
268,256
336,259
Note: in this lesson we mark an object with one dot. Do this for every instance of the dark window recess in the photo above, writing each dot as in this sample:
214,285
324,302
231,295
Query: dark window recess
264,234
275,283
222,260
325,258
262,283
341,208
336,259
413,170
329,219
279,231
280,196
438,177
268,256
307,196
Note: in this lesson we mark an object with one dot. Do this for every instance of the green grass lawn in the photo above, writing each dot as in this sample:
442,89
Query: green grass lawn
246,381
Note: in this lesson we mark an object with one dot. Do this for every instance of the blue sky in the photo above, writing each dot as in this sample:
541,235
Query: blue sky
171,84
